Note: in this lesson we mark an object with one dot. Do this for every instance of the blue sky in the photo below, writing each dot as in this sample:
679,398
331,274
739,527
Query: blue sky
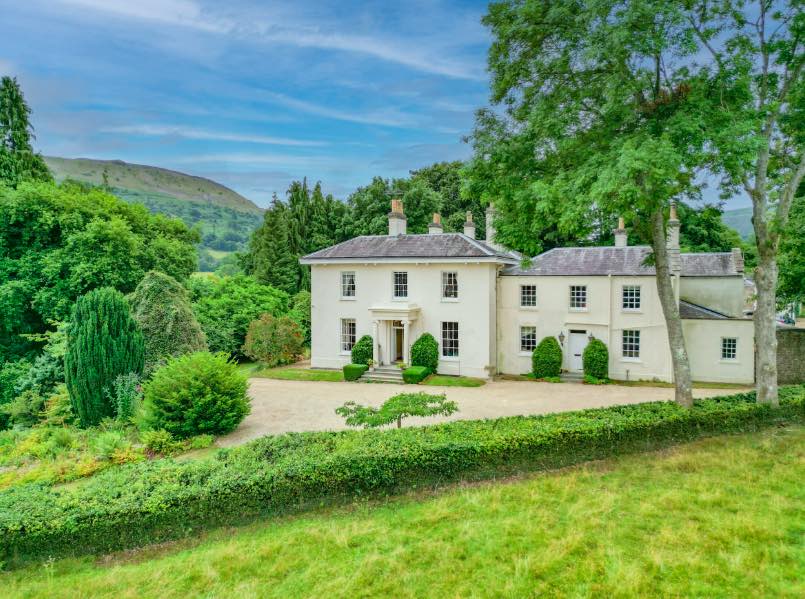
251,94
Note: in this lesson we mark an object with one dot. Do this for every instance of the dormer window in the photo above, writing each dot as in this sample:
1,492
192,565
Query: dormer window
400,285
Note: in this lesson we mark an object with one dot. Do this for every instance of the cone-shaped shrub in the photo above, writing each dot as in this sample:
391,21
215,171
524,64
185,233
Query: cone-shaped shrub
362,350
546,361
425,352
103,341
161,307
596,359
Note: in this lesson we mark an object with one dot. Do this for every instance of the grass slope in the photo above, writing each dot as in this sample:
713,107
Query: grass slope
716,518
739,219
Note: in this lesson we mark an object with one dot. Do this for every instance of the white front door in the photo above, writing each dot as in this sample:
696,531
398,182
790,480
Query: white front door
576,344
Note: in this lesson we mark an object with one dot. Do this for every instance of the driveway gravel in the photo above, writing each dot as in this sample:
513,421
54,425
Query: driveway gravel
297,406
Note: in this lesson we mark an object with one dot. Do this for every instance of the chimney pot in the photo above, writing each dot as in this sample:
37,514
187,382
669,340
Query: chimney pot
397,221
469,226
435,228
621,237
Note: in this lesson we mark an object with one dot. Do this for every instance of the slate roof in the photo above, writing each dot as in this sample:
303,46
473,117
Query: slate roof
626,261
444,245
695,312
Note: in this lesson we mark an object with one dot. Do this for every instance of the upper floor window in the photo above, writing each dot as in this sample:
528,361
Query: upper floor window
347,284
528,338
347,334
631,297
450,285
729,348
578,297
528,296
400,285
450,339
631,344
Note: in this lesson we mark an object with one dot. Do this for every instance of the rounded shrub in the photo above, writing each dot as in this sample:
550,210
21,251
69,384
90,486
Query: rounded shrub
362,350
546,361
596,360
274,341
425,352
103,341
200,393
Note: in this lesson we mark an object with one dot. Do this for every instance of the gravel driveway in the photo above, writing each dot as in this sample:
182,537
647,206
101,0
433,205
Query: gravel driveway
296,406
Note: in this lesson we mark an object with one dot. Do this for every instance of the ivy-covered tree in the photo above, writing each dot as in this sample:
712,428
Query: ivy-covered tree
103,341
161,306
18,161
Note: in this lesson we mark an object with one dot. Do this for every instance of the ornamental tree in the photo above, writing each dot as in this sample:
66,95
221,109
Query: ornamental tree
396,408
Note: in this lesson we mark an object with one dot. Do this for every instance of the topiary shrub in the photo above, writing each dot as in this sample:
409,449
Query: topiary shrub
161,306
103,341
200,393
596,360
546,361
362,350
352,372
425,352
415,374
274,341
395,409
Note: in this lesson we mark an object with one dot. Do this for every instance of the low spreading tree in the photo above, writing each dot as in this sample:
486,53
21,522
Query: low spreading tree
103,341
274,341
396,409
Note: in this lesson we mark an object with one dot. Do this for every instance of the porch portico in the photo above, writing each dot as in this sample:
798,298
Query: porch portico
391,332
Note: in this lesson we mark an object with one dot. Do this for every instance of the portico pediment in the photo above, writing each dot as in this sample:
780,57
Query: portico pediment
401,311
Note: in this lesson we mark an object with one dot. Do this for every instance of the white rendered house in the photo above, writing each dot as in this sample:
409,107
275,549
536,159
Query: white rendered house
488,312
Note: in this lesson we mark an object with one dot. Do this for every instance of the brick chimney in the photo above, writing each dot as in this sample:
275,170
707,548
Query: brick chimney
435,228
397,221
469,226
672,241
621,238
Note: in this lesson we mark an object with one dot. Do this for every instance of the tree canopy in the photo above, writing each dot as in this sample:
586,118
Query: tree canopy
18,161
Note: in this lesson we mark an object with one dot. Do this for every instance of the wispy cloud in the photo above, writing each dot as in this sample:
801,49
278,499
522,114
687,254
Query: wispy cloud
388,118
193,133
183,13
259,159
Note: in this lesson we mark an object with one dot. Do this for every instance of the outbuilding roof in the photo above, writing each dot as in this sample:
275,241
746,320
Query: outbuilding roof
691,311
443,245
624,261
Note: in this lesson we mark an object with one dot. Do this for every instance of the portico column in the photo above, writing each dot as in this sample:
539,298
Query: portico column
375,342
406,324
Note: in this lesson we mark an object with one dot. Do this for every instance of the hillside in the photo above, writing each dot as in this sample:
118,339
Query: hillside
225,218
739,219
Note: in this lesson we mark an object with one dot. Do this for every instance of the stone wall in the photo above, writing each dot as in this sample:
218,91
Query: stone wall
790,356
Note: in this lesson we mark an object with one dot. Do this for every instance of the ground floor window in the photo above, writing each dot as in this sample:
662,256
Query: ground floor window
528,338
450,339
631,344
729,348
347,334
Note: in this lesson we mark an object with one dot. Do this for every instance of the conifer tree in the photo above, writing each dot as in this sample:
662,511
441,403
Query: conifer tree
18,161
103,341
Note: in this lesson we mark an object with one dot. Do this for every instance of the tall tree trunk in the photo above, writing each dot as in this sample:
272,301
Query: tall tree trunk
766,326
670,309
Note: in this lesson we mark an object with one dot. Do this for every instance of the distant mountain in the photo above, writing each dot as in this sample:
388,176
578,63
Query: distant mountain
739,219
226,219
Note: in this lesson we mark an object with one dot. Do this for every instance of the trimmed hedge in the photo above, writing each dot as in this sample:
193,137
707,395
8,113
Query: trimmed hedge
425,352
596,360
352,372
415,374
546,360
362,350
150,502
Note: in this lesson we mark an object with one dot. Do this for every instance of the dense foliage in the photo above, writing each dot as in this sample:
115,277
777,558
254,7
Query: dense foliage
195,394
226,306
415,374
352,372
103,341
595,360
792,255
149,502
18,161
59,242
300,313
274,341
394,409
425,352
161,307
362,351
546,359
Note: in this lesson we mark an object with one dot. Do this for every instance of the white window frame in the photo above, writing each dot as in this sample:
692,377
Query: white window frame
725,342
445,276
634,298
576,292
523,349
346,343
528,306
345,286
394,285
633,342
446,341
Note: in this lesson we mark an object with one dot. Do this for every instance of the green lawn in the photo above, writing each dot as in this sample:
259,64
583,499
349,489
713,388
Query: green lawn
296,374
443,380
717,518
